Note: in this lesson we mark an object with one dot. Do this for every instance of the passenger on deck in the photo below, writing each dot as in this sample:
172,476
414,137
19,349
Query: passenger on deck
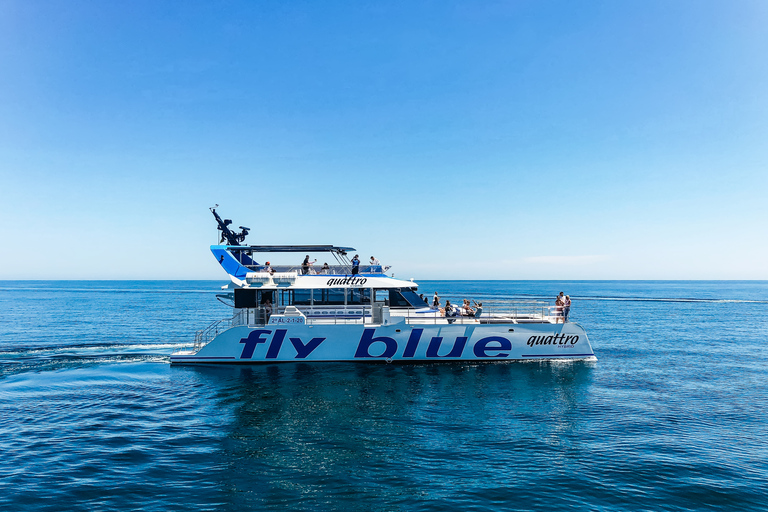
268,309
375,265
566,308
436,301
326,269
268,268
450,311
356,265
312,270
467,309
305,266
478,309
559,302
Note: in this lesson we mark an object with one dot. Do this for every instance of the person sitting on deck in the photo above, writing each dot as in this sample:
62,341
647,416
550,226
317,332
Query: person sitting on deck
326,269
467,309
450,311
478,308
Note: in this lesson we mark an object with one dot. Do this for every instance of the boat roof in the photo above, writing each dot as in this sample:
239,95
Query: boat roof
290,248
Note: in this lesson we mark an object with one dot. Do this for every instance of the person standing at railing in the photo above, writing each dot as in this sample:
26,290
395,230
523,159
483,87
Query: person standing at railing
436,301
305,266
375,264
356,264
566,308
559,302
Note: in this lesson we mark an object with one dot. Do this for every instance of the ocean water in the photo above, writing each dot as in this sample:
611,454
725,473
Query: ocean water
672,416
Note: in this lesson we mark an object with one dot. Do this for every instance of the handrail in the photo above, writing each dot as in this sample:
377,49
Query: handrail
317,270
205,336
519,313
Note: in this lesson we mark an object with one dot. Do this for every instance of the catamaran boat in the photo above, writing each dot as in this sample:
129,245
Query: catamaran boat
358,313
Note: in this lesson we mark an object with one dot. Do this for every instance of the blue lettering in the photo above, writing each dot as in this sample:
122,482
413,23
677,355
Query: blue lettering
367,339
458,347
413,342
253,339
482,347
303,350
277,342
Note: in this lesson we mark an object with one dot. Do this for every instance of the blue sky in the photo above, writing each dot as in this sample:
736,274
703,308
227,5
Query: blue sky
488,140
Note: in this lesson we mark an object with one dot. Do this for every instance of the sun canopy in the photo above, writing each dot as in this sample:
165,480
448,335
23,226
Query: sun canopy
290,248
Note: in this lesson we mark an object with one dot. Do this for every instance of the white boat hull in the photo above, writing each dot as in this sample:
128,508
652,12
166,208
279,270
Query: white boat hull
399,342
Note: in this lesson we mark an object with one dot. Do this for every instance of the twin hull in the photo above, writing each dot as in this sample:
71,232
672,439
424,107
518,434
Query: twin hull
393,343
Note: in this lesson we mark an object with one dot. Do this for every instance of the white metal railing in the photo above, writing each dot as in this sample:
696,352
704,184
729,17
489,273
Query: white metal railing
521,312
205,336
516,312
316,269
341,314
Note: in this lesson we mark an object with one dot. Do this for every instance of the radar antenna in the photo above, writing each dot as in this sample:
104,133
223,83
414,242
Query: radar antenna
233,237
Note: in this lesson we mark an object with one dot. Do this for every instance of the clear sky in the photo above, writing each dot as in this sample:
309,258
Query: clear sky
490,140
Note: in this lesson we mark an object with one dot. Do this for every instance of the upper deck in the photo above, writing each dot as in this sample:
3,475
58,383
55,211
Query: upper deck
239,261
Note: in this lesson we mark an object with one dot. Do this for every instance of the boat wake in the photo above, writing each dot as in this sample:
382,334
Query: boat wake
48,358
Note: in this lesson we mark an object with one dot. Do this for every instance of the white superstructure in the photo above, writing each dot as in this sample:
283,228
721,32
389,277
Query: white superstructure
347,312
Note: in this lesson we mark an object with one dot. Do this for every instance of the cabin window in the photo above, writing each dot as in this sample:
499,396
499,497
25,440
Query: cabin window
359,296
405,298
245,298
333,296
328,297
301,297
396,299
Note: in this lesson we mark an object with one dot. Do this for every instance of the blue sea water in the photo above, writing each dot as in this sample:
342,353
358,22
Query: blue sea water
672,416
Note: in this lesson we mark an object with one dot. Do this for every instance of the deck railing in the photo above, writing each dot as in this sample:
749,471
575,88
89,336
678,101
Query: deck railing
203,337
510,312
317,269
515,312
